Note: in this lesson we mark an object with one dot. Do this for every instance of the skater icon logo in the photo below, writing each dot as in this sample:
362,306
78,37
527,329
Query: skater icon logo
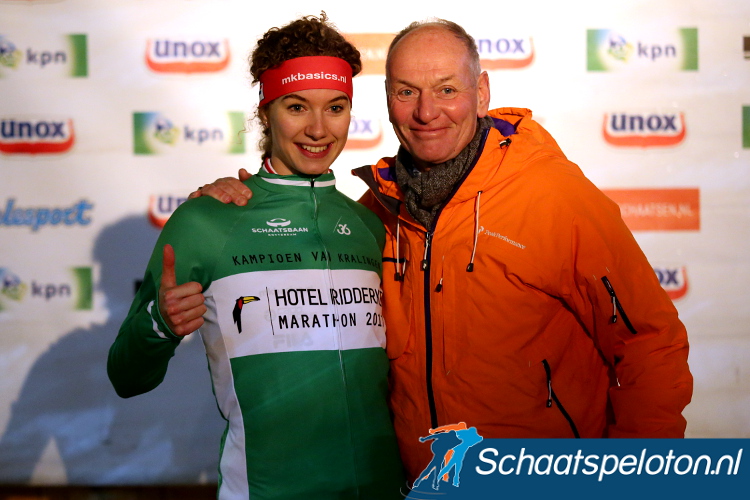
449,444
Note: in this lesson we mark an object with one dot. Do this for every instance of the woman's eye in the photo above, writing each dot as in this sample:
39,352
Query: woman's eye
296,108
337,108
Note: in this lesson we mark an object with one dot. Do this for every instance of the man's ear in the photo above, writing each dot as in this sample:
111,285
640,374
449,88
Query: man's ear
483,94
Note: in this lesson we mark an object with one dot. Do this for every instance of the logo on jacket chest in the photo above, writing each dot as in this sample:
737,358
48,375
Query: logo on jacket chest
493,234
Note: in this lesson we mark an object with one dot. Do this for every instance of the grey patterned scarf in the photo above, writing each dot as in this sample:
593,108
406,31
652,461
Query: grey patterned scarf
425,192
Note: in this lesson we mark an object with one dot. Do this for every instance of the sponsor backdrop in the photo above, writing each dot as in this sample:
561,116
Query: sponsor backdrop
112,112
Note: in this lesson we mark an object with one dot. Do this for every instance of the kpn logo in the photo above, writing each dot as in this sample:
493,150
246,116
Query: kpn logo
449,444
64,55
164,55
36,136
156,133
644,129
609,50
73,289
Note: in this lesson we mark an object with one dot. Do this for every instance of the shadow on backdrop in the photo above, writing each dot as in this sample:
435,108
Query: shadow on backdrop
169,435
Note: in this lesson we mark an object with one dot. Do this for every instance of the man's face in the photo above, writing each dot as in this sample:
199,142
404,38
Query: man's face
434,97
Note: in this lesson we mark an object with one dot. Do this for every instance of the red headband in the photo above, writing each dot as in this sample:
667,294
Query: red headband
303,73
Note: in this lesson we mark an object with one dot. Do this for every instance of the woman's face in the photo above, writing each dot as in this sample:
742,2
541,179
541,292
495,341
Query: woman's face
308,130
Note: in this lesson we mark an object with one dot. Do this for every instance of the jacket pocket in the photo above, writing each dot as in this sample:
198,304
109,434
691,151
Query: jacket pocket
551,396
617,306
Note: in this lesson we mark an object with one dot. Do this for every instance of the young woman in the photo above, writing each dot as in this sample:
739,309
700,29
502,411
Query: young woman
290,306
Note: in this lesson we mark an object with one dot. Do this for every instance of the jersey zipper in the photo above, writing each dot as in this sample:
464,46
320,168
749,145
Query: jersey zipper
338,332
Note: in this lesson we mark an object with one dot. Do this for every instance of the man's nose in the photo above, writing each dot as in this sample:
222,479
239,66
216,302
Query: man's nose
316,127
427,107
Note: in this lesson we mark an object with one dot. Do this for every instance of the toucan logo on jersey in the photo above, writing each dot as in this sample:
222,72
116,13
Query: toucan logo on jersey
237,311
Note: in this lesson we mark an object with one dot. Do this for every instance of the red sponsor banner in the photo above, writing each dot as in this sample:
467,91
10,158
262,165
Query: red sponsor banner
373,47
658,209
363,143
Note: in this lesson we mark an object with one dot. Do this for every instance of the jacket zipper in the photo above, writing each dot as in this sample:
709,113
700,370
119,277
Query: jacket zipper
427,288
616,306
551,396
428,329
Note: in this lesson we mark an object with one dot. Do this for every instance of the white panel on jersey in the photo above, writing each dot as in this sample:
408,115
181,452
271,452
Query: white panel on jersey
297,310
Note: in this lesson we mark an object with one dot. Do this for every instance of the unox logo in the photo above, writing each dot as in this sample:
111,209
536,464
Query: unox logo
36,135
161,207
505,53
180,56
644,130
364,133
673,279
449,444
76,289
155,133
608,50
70,56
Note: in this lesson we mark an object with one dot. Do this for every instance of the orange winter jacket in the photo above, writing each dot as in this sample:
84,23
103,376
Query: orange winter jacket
528,309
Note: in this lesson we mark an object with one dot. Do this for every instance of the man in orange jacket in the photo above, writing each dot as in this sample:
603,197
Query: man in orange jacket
516,299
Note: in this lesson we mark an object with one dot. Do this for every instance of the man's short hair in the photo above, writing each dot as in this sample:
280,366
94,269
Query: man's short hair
449,26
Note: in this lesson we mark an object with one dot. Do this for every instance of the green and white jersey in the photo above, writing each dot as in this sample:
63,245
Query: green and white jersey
294,338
